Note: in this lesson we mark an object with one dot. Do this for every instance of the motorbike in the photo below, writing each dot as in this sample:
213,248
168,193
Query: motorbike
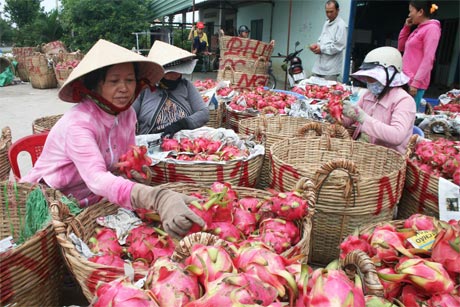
293,65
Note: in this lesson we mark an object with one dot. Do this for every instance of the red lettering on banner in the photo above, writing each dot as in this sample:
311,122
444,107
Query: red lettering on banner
175,177
244,178
256,80
231,63
250,50
233,46
158,175
413,188
385,184
278,176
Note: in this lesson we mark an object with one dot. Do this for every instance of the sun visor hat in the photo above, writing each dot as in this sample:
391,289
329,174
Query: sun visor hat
105,53
172,58
378,73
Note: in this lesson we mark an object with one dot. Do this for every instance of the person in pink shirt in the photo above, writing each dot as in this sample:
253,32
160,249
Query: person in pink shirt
419,46
81,149
384,114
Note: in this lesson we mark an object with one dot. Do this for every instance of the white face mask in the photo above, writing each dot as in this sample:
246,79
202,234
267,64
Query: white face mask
376,88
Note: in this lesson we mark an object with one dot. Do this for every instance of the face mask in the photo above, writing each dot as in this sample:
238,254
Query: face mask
170,84
376,88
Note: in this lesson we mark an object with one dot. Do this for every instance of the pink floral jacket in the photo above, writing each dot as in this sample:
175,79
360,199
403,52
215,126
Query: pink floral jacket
80,152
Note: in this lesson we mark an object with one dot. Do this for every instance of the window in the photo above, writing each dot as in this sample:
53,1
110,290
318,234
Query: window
256,29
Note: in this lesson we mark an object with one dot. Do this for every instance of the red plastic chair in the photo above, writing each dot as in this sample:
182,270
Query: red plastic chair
33,144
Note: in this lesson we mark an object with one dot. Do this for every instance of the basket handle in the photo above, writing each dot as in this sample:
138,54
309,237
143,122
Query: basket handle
228,67
358,262
308,189
411,145
6,138
346,165
269,110
312,126
440,123
256,63
61,217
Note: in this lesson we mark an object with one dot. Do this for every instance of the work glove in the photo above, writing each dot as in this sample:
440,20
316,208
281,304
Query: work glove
170,130
139,178
353,111
175,215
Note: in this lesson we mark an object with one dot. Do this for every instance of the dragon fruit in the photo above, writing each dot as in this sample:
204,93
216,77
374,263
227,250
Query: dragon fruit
334,288
121,293
289,205
279,234
170,144
387,243
375,301
109,260
420,222
444,300
244,220
413,297
171,284
226,231
234,290
105,242
427,275
149,243
209,263
354,242
446,248
391,282
250,204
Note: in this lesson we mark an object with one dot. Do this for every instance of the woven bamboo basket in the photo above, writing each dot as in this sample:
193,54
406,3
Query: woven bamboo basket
242,79
62,74
215,116
232,117
32,271
420,194
88,274
41,72
53,48
21,55
244,47
259,66
303,185
239,173
430,133
44,124
5,143
357,183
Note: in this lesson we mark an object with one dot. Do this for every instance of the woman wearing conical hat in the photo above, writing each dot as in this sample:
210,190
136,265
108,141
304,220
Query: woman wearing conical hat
81,149
175,104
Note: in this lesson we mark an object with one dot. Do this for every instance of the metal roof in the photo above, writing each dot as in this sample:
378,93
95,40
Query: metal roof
162,8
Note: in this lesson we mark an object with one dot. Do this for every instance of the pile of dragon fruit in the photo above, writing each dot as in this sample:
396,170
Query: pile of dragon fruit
204,85
259,99
251,275
202,149
415,276
440,158
67,65
322,92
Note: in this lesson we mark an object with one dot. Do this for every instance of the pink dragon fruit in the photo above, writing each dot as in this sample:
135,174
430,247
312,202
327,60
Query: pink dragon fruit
279,234
109,260
170,144
202,211
413,297
269,267
387,243
209,262
420,222
149,243
391,282
354,242
244,220
250,204
105,242
223,208
121,293
226,231
171,284
427,275
375,301
444,300
234,290
289,205
334,288
446,248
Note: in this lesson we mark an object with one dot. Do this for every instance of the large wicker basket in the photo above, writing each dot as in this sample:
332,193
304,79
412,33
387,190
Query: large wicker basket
215,116
21,55
357,183
5,143
31,273
41,72
44,124
276,128
430,133
420,194
304,185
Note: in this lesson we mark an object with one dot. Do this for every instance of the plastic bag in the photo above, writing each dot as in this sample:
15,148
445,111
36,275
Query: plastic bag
6,77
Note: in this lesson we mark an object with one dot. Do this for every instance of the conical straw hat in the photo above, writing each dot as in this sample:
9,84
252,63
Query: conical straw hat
105,53
172,58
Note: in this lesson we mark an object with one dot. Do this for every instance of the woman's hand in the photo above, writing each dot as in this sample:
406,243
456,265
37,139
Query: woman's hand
412,91
409,22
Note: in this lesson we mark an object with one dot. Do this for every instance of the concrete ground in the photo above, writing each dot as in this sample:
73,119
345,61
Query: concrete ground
20,105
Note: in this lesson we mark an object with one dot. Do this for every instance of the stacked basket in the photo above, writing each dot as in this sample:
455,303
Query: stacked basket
357,183
89,274
41,72
32,271
5,143
21,55
64,63
244,62
44,124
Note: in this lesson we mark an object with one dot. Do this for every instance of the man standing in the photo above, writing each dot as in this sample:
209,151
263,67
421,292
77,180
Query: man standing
331,43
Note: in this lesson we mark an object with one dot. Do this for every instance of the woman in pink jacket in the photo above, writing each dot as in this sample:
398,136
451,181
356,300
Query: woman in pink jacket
419,46
81,149
384,114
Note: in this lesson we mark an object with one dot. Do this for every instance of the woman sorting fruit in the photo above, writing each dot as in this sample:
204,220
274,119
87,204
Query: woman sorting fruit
175,104
82,149
384,114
